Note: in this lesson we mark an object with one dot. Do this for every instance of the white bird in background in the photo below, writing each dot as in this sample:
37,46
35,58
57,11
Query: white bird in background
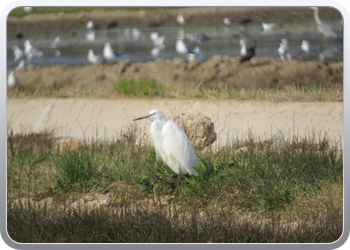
127,32
243,48
31,51
17,52
324,28
283,48
89,25
155,52
172,144
55,42
227,21
181,47
90,36
157,38
21,65
57,53
12,80
181,33
303,51
29,9
108,53
136,33
92,58
268,27
180,19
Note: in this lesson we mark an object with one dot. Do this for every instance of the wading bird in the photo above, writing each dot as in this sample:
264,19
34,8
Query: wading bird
172,144
250,53
17,52
227,21
31,51
180,19
12,80
89,25
324,28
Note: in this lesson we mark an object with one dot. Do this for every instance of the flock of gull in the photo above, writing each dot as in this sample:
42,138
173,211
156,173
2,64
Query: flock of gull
110,56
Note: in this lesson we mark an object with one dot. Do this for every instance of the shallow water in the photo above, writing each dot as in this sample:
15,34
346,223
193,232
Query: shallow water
223,41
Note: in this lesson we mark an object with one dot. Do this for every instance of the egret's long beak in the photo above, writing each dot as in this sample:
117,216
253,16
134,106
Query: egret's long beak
142,117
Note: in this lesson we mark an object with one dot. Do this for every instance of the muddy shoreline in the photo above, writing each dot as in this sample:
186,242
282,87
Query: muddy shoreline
201,15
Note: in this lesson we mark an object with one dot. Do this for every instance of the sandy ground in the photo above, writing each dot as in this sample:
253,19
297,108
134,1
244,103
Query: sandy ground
164,17
78,117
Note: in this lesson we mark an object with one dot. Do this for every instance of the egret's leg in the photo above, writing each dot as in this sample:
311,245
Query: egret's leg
178,180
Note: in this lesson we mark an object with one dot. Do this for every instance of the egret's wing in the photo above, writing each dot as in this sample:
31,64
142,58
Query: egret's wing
177,146
327,29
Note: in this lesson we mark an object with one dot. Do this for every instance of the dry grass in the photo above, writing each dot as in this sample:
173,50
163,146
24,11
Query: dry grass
220,77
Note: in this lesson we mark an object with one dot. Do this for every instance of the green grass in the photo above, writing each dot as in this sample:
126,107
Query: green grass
141,88
19,12
289,179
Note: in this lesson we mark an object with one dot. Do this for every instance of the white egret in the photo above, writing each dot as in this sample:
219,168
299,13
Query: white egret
172,144
227,21
181,47
108,53
180,19
31,51
324,28
17,52
12,80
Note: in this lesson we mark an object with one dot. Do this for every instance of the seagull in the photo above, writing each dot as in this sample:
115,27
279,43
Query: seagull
303,51
90,36
155,51
180,19
136,33
157,38
92,58
29,9
12,80
21,65
57,53
89,25
243,48
108,53
283,48
250,53
198,37
55,42
181,47
17,52
324,28
31,51
268,27
172,144
227,21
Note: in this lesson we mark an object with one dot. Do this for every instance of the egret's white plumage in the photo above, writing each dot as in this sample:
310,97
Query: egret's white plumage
92,58
12,80
172,144
31,51
55,42
17,52
181,47
324,28
108,53
180,19
136,33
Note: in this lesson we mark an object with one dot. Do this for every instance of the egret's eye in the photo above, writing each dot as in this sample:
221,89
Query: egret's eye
154,114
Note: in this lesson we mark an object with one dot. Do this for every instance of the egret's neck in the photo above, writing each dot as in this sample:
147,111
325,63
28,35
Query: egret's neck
317,19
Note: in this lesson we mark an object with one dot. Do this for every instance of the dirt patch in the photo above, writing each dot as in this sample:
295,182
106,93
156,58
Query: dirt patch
164,17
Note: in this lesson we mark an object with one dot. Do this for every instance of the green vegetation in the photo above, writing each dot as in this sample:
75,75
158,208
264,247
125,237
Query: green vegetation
276,180
19,12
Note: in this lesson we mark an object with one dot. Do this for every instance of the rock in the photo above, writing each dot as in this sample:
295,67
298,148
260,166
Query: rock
198,128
